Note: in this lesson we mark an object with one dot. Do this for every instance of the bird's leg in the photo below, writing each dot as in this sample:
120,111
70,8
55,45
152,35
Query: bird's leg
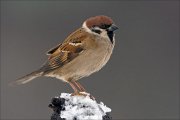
77,88
81,88
76,91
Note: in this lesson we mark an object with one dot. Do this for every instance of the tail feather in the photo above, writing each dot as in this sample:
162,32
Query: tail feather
27,78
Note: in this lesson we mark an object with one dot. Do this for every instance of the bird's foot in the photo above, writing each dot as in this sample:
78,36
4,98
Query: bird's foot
79,94
83,94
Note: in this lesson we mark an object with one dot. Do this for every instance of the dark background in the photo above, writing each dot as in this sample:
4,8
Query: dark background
141,80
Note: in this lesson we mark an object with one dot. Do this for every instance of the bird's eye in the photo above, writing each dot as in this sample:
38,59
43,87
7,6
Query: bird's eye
104,26
96,31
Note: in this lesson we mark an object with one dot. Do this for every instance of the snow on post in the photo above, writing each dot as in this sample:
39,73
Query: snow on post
68,107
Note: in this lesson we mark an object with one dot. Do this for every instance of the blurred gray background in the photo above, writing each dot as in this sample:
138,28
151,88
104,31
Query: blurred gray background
141,80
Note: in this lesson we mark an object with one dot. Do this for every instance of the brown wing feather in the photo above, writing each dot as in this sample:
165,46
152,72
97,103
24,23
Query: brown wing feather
52,50
65,52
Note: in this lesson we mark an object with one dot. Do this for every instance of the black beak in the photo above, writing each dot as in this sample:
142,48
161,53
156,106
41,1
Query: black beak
112,28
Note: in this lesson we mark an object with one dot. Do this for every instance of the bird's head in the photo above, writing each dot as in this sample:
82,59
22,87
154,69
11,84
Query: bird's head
102,26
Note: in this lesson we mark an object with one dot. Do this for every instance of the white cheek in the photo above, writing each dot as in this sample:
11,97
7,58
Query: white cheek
86,28
104,34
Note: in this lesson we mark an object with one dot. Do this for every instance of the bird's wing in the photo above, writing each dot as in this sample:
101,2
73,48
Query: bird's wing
52,50
65,52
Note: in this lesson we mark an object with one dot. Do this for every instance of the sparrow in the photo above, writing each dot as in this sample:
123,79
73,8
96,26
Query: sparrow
82,53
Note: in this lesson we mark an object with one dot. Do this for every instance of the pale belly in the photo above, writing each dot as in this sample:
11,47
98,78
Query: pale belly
84,65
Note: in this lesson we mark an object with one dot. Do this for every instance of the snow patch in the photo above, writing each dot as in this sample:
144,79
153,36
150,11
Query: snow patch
82,107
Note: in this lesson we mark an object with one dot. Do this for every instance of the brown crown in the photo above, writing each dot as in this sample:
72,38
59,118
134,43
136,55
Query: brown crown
98,20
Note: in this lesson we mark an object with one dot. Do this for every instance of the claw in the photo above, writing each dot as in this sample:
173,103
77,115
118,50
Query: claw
92,97
78,94
83,94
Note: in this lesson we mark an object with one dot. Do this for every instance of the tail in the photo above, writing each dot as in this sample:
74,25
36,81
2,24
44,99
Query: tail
27,78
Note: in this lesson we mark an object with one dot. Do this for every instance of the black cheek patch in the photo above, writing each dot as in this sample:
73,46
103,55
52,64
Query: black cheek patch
96,31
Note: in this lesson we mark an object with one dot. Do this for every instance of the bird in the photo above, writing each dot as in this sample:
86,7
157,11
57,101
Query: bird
83,52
